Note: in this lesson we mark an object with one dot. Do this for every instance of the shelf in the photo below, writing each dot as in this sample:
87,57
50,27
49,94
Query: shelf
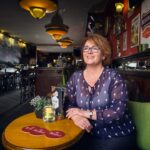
144,54
135,69
137,73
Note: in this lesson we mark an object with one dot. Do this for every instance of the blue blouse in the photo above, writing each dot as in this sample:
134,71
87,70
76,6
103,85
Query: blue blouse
108,97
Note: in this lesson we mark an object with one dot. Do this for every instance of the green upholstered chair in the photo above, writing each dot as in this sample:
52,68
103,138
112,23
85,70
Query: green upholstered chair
141,115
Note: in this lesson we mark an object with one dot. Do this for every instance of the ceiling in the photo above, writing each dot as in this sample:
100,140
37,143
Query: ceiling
21,24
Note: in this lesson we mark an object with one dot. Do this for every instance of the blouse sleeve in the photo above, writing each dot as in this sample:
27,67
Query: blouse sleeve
118,99
71,93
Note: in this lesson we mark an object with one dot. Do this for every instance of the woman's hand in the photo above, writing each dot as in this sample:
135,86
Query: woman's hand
82,122
75,111
79,118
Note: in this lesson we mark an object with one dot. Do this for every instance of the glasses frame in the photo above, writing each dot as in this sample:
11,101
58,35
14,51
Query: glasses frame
93,49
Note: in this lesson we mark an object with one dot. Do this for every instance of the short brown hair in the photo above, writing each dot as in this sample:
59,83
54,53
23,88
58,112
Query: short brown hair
102,43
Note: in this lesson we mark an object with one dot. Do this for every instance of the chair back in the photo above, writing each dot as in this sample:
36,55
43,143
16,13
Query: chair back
141,113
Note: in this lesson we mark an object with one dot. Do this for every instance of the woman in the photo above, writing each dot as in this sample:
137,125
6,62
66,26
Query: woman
98,100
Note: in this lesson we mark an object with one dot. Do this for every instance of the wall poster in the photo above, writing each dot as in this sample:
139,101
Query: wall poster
145,22
135,31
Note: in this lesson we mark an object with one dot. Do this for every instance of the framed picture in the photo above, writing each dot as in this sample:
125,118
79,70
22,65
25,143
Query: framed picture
145,23
135,31
124,41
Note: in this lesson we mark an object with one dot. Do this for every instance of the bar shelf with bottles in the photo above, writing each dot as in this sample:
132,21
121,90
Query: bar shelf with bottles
135,69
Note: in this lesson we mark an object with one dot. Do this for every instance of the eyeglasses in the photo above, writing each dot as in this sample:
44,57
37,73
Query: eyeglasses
92,49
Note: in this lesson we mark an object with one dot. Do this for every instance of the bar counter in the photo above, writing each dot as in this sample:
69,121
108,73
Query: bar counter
47,77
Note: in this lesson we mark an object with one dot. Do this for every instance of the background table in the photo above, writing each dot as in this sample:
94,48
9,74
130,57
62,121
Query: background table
14,138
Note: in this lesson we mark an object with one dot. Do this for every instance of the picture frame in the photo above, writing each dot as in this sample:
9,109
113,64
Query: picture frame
135,31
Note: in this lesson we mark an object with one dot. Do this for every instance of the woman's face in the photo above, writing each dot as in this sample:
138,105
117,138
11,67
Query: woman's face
91,54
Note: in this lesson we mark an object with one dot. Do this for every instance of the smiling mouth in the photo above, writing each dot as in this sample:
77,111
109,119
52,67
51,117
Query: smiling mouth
90,57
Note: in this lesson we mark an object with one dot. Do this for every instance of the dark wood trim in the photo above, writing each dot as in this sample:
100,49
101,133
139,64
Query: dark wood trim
144,54
143,74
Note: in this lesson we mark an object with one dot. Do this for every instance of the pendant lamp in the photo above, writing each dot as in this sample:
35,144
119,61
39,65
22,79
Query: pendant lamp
65,42
56,28
39,8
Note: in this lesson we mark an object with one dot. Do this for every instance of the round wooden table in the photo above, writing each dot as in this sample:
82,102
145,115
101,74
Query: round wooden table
29,132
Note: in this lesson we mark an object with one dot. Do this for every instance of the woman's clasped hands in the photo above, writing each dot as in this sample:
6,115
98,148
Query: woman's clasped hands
79,118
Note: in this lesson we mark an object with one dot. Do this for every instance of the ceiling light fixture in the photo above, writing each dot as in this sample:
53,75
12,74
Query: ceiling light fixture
39,8
56,28
65,42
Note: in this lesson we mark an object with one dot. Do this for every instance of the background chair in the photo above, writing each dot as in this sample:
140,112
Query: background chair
141,114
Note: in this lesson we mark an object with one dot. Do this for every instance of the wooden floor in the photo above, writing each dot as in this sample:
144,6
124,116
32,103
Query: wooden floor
11,108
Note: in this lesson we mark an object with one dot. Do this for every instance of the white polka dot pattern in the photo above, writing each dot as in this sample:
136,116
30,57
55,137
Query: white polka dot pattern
108,97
